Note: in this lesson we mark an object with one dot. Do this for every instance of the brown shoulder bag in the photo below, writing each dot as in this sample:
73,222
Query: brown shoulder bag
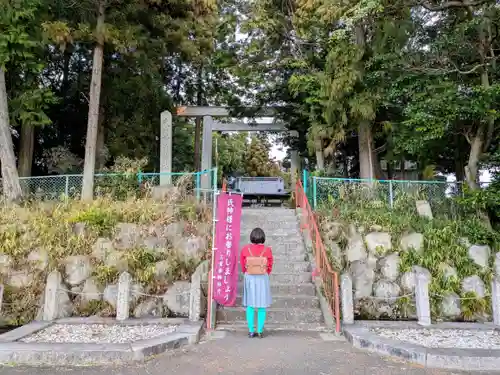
256,265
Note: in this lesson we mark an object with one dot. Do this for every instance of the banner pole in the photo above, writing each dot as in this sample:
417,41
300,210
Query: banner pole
211,309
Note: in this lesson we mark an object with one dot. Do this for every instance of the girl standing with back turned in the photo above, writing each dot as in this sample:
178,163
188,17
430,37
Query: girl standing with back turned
256,263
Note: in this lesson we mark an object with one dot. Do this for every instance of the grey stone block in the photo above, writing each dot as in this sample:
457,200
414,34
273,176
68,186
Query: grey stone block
102,320
291,267
26,330
291,301
76,354
289,289
288,278
324,307
146,348
274,315
360,336
283,258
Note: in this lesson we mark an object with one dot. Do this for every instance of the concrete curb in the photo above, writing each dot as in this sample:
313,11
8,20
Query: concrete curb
362,337
75,354
323,304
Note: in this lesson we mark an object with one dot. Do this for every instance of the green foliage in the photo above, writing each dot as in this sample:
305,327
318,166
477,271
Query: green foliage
93,308
257,162
231,152
443,248
16,43
472,306
98,219
105,274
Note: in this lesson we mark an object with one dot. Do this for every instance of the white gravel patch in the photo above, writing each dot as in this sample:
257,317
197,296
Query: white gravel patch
98,333
444,338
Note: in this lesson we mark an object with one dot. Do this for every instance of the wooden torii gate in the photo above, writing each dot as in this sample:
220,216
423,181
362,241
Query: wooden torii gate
210,125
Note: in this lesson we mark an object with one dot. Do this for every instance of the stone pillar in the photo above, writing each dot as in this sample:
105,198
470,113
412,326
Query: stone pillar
195,297
1,296
166,148
206,153
495,300
347,300
422,298
123,297
51,298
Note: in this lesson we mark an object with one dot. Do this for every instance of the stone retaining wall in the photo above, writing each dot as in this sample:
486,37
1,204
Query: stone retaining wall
383,287
81,278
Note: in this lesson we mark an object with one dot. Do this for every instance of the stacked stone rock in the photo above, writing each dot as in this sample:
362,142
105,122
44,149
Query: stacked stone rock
374,267
77,283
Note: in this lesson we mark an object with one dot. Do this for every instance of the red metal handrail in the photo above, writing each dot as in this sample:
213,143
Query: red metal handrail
329,278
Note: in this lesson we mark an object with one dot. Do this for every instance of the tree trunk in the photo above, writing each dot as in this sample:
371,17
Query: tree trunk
320,156
402,170
365,144
10,178
93,117
478,141
66,68
459,161
26,150
100,153
476,150
377,167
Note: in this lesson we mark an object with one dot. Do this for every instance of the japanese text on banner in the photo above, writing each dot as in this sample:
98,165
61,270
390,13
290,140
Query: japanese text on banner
227,239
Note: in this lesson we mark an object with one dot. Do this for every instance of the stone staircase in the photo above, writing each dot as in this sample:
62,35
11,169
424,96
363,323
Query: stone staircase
295,304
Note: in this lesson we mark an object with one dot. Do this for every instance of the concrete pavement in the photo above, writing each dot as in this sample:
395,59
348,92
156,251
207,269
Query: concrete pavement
297,353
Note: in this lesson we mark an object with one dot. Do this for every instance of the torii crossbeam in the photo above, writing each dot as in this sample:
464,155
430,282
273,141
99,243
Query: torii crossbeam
209,125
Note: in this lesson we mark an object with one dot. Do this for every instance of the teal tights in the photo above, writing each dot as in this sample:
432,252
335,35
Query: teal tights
261,319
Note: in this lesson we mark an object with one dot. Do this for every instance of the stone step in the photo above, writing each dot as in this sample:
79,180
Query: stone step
288,278
290,241
248,225
283,258
274,315
288,289
283,264
269,327
273,233
291,237
285,253
280,246
272,212
289,301
280,266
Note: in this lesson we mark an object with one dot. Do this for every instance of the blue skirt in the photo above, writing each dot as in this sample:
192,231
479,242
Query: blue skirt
257,291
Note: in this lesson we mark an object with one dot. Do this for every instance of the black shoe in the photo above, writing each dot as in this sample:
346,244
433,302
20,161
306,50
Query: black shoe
260,335
251,334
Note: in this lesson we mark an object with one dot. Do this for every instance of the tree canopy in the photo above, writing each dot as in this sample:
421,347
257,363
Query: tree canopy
369,85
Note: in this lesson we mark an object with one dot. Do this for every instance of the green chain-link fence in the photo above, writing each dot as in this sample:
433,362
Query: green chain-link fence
119,185
388,193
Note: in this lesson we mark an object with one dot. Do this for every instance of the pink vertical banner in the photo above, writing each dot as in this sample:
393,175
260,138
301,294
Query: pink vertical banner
227,242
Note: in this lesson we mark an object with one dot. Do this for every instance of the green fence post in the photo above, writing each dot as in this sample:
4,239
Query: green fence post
304,181
139,177
314,192
214,182
391,195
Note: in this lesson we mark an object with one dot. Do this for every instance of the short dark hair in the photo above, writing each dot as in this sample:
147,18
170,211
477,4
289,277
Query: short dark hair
257,236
